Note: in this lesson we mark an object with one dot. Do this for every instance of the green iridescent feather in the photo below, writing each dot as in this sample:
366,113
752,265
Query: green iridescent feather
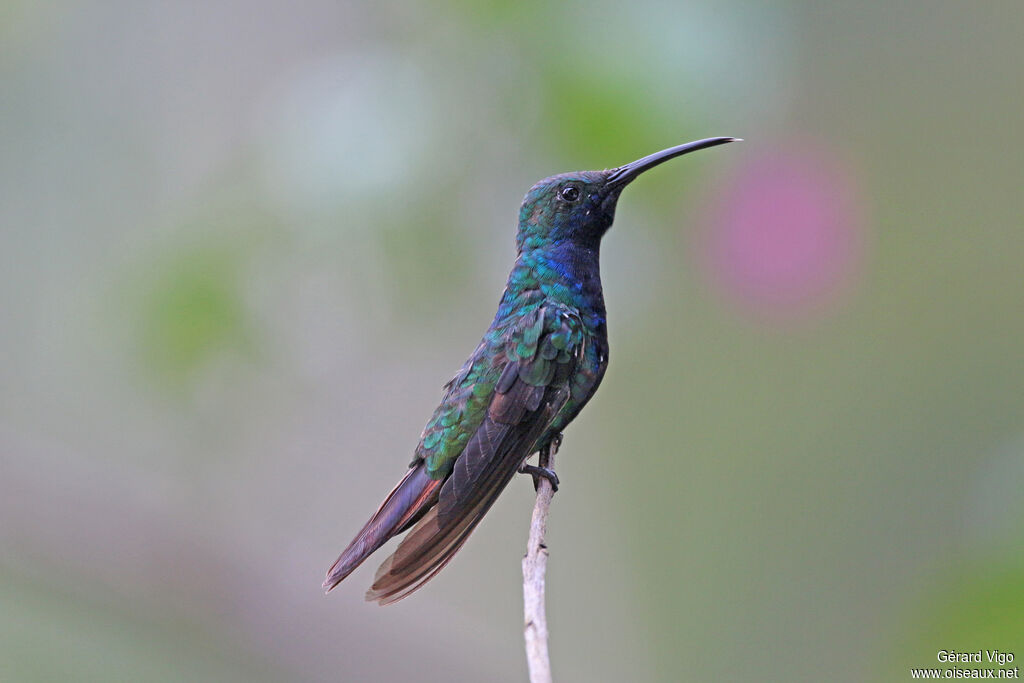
537,339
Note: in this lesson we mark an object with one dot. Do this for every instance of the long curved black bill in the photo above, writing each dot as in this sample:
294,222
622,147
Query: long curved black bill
624,174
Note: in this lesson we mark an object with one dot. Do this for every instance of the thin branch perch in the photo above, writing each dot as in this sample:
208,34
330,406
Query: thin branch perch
535,563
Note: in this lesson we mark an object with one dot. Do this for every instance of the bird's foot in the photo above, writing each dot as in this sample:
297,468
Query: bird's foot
538,472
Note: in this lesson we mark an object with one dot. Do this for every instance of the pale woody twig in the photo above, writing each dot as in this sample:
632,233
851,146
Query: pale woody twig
535,625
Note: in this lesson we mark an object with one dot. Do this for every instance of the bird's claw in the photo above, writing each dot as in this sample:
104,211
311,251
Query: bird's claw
556,442
538,472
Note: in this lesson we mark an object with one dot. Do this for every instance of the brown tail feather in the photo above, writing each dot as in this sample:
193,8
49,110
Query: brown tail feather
407,502
426,550
516,418
464,499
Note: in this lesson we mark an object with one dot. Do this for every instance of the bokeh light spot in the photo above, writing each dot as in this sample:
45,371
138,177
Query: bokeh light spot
785,236
191,312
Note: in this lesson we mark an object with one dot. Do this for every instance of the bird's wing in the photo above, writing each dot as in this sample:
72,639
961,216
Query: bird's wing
540,353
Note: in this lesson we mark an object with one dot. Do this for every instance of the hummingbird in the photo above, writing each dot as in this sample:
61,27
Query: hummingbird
540,361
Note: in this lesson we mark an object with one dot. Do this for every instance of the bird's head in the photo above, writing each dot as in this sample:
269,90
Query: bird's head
580,206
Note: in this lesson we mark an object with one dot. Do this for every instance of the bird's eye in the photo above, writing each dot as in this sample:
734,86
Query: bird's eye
569,193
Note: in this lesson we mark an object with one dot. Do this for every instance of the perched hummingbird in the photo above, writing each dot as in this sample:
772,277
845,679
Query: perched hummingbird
537,365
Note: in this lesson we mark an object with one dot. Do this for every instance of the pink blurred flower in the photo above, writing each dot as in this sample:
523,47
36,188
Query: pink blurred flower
785,238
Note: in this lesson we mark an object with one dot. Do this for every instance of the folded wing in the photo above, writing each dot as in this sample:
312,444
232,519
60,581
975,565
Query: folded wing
541,353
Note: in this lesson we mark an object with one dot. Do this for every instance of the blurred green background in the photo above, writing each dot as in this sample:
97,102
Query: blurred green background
244,244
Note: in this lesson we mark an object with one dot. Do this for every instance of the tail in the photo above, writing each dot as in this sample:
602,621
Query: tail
406,503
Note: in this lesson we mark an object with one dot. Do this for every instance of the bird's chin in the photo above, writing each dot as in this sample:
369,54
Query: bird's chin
608,210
